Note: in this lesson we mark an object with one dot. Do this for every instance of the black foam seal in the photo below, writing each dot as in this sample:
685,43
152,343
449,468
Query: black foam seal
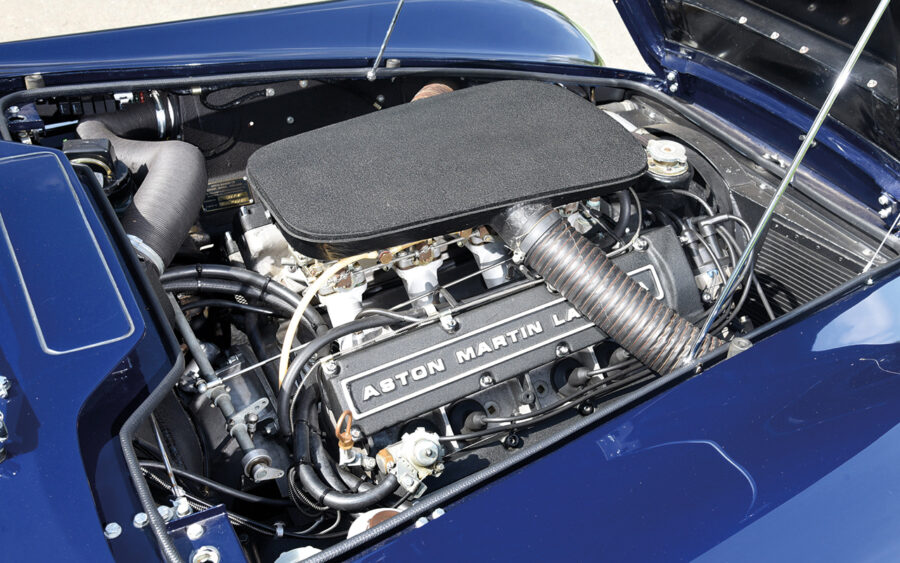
440,165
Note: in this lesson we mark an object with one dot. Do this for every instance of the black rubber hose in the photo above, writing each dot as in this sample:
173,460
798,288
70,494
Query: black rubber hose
264,284
306,442
168,200
126,439
350,502
652,332
226,287
149,121
283,401
317,451
624,198
226,304
215,485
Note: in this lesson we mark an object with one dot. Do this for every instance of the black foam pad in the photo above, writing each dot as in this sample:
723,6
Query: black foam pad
440,165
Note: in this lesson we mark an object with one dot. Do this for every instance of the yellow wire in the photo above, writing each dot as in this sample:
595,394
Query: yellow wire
308,296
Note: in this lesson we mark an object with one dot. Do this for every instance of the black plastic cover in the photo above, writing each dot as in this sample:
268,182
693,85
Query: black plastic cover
440,165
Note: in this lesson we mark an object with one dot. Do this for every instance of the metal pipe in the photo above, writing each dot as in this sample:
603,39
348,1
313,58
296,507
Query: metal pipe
809,138
387,37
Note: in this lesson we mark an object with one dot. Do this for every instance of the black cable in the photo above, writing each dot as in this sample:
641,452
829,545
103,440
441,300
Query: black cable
226,304
215,485
126,438
729,240
232,103
255,525
283,399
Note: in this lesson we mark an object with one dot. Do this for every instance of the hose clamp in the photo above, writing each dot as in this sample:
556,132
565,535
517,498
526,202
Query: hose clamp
160,111
144,250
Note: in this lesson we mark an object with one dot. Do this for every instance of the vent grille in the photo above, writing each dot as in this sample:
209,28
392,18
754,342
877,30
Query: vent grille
792,273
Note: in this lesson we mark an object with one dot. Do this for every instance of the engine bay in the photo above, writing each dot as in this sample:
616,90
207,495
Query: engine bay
387,287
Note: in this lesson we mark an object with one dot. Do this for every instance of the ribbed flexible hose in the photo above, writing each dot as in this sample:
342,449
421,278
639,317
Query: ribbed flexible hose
169,198
601,291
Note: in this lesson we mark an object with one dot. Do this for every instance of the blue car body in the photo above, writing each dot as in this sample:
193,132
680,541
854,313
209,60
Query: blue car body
788,452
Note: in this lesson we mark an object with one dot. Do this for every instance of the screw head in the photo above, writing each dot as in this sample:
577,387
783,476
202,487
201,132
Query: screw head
140,520
562,350
673,88
742,20
290,120
407,481
804,49
304,83
774,35
4,386
13,109
330,367
486,380
671,76
355,433
194,531
112,531
872,83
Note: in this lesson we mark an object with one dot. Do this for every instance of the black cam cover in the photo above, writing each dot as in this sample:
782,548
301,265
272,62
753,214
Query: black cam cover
440,165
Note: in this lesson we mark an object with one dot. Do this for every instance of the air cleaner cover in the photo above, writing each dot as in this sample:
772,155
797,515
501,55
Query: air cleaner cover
440,165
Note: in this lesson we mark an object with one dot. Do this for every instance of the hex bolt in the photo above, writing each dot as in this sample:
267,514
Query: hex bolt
437,513
166,512
673,88
486,380
304,83
641,244
369,463
562,349
671,76
872,83
330,367
742,20
182,507
883,199
140,520
356,433
421,521
112,531
194,531
4,387
407,481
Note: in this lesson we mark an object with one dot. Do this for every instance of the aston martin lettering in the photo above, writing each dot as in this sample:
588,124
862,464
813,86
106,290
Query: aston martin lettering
403,379
494,343
495,347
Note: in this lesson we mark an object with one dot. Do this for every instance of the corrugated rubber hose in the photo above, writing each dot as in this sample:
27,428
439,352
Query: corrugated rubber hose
601,291
169,198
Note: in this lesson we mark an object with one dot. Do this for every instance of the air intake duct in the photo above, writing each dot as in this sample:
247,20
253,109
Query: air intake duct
651,331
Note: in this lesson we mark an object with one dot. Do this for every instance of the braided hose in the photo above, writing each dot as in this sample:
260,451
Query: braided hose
601,291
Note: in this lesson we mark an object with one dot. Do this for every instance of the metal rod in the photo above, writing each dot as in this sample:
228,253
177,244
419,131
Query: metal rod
759,232
179,492
387,37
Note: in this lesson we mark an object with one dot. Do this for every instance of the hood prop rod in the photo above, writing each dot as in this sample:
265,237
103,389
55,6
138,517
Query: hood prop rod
760,232
371,75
